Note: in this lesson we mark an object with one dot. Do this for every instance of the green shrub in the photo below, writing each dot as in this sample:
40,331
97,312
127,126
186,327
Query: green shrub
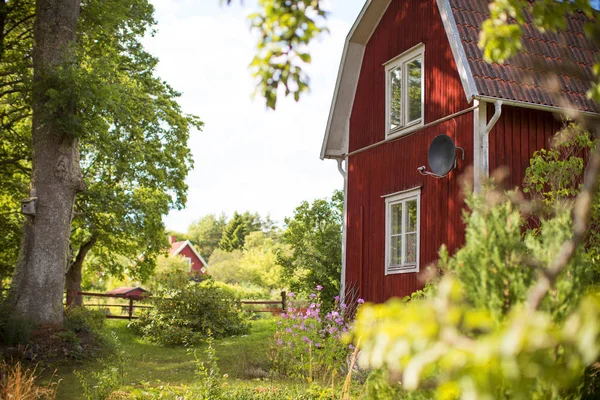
81,319
244,292
190,313
308,342
15,328
100,385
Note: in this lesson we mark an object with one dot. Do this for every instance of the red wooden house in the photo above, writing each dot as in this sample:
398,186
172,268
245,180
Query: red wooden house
411,70
186,249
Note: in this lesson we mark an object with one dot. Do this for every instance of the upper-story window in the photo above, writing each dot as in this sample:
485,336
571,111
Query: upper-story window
404,91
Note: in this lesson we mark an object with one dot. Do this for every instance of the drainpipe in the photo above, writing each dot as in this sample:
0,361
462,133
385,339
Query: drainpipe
481,146
343,172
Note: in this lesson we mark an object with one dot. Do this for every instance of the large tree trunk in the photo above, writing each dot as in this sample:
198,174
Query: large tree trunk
37,290
73,276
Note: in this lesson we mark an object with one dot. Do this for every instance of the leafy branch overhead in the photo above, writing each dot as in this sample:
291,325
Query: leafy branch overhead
285,29
500,36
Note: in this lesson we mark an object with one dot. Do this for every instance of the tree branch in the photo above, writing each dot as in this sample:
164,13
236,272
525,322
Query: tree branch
581,213
12,28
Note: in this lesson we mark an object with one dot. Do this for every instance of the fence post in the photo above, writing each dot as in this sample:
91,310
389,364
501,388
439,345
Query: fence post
130,308
283,301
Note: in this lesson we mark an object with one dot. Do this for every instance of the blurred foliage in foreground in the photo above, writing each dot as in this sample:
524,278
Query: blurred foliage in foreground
484,331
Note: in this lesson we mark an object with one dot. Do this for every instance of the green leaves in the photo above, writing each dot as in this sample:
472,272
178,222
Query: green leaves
314,236
500,36
429,343
285,29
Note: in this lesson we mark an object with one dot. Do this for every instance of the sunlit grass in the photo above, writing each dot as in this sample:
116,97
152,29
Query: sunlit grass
241,357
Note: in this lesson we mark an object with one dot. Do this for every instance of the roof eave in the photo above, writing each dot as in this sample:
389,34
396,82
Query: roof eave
347,78
534,106
458,51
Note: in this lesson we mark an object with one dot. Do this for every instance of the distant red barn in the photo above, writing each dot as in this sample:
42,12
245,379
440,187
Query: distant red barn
186,250
411,71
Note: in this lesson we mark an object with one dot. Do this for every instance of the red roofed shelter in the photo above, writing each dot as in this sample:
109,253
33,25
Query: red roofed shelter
135,293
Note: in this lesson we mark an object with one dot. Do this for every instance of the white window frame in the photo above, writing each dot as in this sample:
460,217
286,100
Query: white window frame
391,200
189,261
402,60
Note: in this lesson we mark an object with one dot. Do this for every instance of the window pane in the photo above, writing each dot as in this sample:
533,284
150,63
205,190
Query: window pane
411,211
414,78
411,248
396,250
396,98
396,223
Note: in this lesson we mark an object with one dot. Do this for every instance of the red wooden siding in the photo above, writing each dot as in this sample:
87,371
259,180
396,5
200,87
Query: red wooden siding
516,136
196,263
393,167
404,25
388,169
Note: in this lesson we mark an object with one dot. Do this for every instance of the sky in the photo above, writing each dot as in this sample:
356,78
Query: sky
246,157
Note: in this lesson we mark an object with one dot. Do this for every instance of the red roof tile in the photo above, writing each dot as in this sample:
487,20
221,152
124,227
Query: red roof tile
175,246
550,68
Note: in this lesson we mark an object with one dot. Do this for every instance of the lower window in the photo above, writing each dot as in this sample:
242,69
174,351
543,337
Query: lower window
402,232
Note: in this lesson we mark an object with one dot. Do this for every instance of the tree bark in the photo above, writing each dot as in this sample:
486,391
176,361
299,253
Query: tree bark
39,281
73,276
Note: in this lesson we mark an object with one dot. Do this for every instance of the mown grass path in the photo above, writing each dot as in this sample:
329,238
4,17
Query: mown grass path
241,357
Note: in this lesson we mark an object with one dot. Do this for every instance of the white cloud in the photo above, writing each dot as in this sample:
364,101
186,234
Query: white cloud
247,158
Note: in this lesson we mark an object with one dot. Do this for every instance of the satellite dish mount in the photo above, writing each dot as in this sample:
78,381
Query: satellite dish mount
441,157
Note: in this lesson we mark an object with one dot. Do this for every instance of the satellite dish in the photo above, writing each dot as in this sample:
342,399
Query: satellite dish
442,155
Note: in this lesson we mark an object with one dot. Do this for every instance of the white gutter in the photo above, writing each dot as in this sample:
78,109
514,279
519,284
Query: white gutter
541,107
344,173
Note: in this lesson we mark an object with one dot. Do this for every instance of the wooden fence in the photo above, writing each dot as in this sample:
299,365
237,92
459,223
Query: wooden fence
128,307
282,303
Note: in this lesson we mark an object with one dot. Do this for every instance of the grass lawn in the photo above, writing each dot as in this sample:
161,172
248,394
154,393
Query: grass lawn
242,357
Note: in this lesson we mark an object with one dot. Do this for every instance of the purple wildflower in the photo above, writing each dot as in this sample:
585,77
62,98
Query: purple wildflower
360,301
319,287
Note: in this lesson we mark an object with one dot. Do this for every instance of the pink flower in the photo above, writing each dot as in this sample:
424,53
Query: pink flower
360,301
290,294
312,295
319,287
337,298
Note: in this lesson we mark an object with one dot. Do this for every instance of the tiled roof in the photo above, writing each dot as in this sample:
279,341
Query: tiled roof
175,246
549,69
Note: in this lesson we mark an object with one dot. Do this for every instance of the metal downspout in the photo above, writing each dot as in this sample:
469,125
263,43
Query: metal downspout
483,161
344,174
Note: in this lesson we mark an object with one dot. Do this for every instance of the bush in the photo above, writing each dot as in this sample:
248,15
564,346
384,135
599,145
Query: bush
100,385
187,317
309,345
245,292
15,328
81,319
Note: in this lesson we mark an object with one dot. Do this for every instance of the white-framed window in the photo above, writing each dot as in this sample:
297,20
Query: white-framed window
189,262
405,91
402,231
